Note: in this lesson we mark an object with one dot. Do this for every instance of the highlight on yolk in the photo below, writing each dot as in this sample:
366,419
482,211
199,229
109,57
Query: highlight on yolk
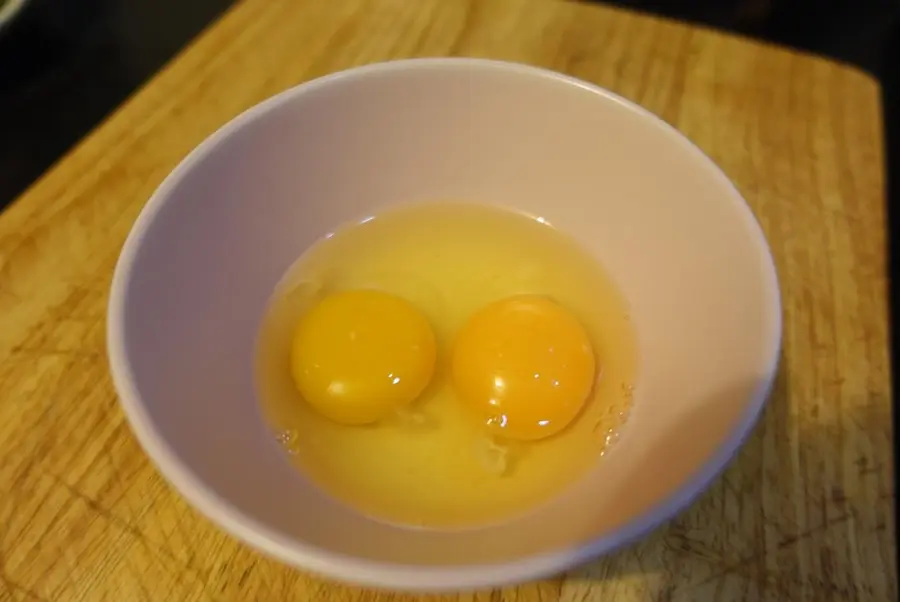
525,365
359,355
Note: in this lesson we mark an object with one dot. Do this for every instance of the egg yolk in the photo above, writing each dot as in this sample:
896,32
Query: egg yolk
525,365
359,355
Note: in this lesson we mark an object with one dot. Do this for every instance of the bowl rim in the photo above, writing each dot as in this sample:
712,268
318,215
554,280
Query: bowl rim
389,575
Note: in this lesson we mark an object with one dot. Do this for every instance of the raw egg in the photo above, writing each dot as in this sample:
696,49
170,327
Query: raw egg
359,355
525,365
522,365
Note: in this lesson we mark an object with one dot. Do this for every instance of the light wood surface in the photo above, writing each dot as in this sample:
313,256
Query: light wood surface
804,513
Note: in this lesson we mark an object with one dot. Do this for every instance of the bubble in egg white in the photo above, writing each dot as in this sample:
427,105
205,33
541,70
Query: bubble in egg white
288,440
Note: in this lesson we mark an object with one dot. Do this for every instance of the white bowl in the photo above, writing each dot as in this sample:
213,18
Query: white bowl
202,259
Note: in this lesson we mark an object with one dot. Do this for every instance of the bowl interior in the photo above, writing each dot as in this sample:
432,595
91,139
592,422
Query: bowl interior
204,257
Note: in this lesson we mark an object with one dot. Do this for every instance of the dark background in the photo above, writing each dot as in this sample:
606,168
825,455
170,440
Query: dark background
853,31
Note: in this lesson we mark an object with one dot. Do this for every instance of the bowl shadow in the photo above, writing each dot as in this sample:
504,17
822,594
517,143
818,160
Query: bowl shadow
780,522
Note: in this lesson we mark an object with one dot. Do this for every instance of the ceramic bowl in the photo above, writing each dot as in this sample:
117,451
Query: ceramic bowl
204,256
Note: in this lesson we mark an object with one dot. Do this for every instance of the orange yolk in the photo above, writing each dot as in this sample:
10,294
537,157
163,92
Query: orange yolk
525,366
359,355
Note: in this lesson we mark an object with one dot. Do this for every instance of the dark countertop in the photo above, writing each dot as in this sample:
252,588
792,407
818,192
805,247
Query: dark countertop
67,64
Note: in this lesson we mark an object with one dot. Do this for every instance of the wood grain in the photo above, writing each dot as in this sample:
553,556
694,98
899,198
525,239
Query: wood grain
805,512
